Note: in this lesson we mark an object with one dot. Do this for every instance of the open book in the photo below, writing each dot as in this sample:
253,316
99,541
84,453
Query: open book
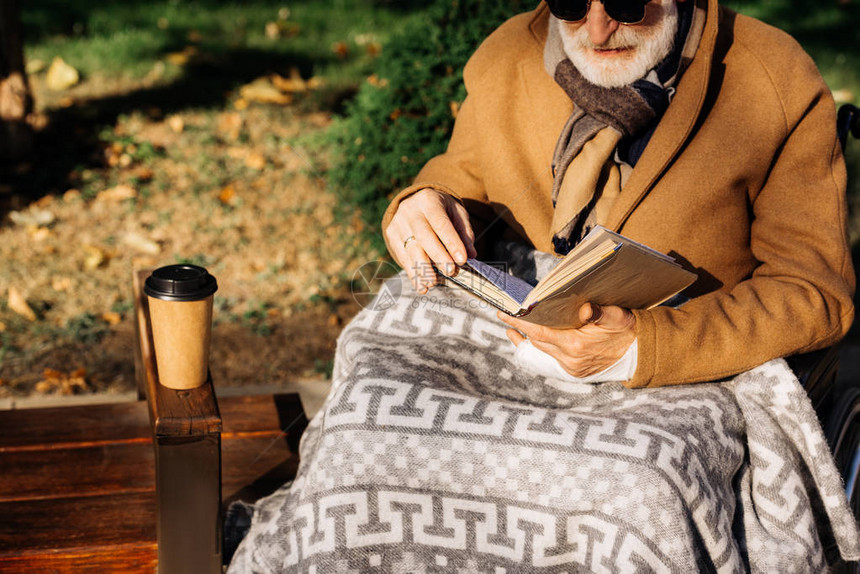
604,268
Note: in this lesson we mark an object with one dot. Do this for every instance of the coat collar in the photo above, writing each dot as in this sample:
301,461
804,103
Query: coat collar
677,123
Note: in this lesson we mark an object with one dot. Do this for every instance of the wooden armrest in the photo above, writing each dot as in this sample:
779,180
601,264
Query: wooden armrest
191,412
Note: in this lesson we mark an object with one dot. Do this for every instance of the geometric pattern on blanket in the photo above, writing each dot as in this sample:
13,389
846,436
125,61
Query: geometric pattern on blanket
434,453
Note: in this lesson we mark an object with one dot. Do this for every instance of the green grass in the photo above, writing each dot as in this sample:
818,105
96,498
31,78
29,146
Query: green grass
128,38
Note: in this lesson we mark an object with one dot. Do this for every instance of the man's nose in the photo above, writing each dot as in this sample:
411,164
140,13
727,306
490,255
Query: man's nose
599,25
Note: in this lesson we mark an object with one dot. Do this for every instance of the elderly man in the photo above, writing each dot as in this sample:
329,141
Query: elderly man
702,133
698,132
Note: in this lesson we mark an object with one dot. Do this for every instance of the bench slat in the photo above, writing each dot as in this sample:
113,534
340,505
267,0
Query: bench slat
138,558
76,523
59,425
78,472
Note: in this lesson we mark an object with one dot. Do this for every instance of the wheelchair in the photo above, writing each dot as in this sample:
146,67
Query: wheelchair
837,403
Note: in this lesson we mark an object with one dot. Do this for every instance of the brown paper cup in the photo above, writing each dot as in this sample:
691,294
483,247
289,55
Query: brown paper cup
181,331
180,310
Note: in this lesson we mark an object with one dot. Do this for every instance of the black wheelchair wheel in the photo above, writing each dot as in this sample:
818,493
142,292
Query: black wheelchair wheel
843,433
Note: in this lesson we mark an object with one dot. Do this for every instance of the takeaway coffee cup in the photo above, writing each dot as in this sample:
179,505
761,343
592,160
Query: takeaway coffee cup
180,308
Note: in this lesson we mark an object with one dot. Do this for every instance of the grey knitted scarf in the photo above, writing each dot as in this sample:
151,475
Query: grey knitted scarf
633,110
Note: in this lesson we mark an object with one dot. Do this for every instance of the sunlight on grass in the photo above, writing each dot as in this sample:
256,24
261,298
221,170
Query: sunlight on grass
129,39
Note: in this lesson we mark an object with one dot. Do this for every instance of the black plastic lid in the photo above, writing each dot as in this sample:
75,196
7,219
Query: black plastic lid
180,283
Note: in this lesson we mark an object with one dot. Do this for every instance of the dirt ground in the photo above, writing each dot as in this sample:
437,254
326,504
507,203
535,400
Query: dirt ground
239,190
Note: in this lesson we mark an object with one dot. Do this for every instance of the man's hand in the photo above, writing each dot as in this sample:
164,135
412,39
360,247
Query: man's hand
430,226
607,334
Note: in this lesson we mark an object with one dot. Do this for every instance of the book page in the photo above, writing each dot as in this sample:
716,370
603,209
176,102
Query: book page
515,287
569,268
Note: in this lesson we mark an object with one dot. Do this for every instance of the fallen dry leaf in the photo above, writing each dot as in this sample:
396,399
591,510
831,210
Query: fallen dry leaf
263,91
376,81
61,283
71,196
227,195
40,233
340,49
273,31
112,318
289,85
61,76
19,305
118,193
182,58
33,217
63,383
143,174
38,121
94,257
294,84
256,161
176,123
141,244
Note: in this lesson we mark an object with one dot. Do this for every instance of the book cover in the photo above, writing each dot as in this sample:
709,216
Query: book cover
604,268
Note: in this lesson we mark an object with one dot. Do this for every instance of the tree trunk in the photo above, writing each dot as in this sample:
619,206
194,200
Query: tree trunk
16,103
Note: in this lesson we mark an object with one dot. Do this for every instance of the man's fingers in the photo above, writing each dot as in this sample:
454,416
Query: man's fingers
460,219
421,270
395,234
430,242
449,236
410,255
608,317
530,330
515,336
590,313
440,224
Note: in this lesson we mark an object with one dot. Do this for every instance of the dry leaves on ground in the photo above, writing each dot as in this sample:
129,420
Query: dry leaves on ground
61,383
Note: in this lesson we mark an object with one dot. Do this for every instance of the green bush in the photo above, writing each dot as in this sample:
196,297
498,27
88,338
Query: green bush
403,115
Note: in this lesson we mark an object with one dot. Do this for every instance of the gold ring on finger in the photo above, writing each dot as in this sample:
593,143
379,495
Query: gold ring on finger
407,240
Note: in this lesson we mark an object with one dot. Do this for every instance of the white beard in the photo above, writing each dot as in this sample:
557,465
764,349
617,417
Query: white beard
649,46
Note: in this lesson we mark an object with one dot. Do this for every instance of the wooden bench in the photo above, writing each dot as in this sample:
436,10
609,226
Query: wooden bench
135,487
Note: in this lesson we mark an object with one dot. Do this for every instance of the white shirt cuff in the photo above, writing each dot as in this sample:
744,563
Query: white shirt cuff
530,358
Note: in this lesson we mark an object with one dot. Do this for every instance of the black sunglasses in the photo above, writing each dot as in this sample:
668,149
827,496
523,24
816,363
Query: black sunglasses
622,11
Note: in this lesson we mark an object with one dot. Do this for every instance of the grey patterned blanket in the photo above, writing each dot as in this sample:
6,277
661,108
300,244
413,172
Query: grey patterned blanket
435,453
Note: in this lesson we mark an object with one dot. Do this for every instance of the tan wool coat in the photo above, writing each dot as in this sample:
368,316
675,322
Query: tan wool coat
743,182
